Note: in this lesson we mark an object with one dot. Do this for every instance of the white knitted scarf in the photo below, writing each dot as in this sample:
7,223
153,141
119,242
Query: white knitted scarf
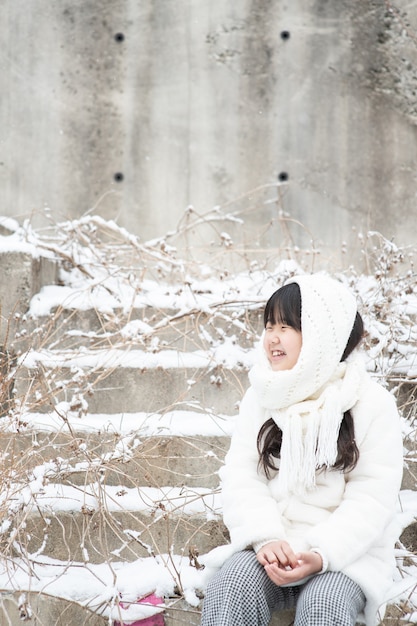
308,401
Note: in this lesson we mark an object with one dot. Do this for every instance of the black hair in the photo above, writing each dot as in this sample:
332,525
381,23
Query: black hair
284,306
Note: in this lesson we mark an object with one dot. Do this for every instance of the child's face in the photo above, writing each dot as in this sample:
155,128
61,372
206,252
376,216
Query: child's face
282,346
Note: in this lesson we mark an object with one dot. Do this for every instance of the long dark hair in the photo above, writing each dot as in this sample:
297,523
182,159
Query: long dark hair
284,307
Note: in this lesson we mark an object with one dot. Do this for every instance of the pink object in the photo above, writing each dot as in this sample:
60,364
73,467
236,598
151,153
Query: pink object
153,620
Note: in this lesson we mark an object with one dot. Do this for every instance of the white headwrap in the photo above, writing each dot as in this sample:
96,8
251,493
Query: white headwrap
307,402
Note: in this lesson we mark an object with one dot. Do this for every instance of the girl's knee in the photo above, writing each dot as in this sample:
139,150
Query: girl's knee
327,611
240,574
332,602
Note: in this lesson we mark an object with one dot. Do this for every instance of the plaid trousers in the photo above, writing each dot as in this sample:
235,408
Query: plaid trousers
241,594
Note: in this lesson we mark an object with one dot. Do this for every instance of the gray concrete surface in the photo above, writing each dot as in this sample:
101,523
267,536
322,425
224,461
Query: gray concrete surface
137,110
155,461
132,389
178,331
45,610
22,276
100,533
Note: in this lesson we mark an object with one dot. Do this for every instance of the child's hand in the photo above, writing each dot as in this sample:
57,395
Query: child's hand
278,552
308,563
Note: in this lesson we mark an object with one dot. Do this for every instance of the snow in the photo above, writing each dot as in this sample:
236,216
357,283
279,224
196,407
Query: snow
53,498
93,586
179,423
110,358
95,282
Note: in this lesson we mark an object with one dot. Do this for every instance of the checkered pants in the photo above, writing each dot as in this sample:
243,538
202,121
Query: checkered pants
241,594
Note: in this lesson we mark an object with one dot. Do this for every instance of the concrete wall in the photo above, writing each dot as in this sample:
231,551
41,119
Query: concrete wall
136,109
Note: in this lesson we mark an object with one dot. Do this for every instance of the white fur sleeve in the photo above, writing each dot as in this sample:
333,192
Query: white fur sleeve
369,502
250,512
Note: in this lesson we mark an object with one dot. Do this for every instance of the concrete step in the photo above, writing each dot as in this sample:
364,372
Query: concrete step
23,273
116,459
140,327
97,486
42,609
46,610
114,382
97,523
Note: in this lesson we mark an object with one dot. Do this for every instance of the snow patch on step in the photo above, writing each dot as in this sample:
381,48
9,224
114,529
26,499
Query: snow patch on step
227,354
173,423
59,498
100,587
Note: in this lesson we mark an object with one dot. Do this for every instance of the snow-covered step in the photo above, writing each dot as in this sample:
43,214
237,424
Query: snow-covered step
68,601
110,458
22,605
178,448
24,272
140,327
116,486
115,381
177,461
97,523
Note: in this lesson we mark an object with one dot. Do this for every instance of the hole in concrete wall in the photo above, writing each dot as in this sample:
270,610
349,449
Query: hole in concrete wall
118,177
119,37
283,176
285,35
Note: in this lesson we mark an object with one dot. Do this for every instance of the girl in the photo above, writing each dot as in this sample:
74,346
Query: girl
312,476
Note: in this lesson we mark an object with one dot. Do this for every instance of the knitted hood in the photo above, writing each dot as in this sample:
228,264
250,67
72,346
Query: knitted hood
328,312
307,402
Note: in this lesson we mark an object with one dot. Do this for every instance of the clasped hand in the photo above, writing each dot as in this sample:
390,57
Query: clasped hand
283,566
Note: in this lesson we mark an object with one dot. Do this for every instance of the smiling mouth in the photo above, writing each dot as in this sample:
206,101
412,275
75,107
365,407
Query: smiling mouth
277,353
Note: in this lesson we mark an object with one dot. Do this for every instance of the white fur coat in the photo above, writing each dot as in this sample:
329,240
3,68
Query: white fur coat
349,517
